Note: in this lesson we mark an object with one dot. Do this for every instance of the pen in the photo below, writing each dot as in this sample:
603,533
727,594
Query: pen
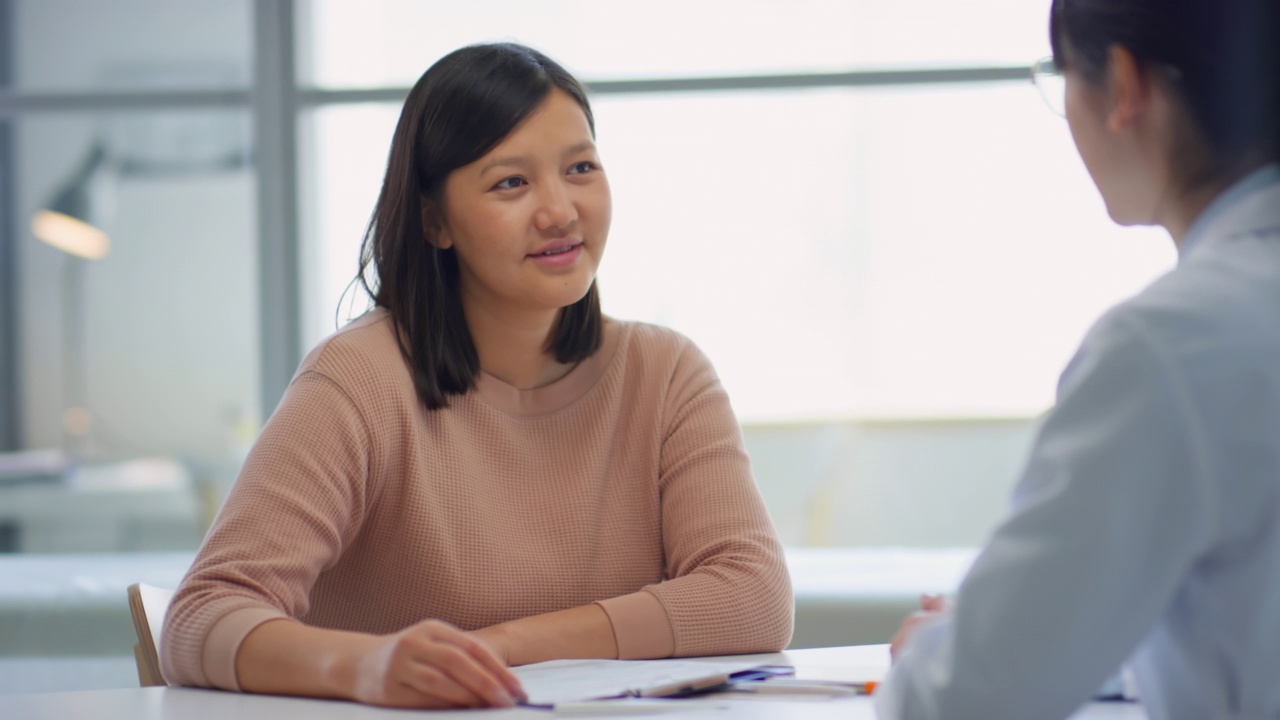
684,687
792,686
616,707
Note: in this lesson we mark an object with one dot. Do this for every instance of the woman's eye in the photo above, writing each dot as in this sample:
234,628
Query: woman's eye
510,183
585,166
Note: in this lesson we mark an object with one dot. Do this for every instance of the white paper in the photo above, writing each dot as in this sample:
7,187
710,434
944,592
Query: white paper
564,681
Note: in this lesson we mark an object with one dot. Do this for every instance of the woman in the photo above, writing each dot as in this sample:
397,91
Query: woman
483,471
1147,522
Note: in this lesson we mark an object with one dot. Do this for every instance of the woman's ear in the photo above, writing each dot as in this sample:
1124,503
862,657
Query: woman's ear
433,229
1129,89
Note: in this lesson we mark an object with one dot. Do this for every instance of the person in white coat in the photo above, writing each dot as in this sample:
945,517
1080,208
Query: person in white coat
1145,534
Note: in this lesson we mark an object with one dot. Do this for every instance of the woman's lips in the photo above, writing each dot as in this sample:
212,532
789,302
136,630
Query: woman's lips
562,256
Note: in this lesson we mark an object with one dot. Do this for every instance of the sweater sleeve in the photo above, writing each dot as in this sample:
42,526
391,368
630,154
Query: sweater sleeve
297,503
727,590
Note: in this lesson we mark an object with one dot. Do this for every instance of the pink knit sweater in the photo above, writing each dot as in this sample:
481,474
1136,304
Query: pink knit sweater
624,484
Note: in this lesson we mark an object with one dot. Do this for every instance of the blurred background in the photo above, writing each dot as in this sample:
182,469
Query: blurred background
862,211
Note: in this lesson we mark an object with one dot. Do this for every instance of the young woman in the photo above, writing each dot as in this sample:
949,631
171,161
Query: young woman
484,470
1147,522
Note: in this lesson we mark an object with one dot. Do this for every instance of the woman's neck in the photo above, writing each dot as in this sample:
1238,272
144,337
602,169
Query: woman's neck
1184,208
1181,213
513,345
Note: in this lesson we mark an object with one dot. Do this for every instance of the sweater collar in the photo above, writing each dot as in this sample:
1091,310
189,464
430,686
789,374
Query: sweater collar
559,394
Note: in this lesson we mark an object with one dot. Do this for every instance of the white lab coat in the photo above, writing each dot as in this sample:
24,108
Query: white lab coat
1146,525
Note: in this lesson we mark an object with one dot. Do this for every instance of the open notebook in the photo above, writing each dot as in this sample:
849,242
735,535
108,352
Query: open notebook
565,681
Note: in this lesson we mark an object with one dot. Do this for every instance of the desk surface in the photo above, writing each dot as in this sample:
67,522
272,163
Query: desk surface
192,704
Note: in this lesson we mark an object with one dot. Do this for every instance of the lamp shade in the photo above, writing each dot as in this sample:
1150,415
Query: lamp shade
67,222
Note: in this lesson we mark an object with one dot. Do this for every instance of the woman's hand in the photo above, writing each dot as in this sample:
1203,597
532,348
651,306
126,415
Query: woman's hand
931,606
433,665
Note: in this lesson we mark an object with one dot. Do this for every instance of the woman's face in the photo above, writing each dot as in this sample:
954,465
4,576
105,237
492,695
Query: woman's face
1100,115
529,219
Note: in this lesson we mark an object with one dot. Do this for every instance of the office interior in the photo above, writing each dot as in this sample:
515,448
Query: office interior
861,211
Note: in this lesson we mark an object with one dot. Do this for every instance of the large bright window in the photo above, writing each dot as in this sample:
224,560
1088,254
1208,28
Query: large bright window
889,275
390,43
911,252
889,278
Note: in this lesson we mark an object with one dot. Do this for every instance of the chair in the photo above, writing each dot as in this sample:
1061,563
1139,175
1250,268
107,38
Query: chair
148,605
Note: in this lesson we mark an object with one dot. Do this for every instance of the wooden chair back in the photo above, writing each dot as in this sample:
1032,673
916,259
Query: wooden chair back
148,605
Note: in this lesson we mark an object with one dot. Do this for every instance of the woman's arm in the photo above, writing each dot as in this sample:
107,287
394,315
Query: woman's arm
580,632
729,590
299,501
428,665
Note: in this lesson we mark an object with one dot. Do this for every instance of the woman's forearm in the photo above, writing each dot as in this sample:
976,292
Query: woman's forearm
580,632
285,657
427,665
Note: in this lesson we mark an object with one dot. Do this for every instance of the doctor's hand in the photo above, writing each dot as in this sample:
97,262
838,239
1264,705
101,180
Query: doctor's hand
434,665
931,607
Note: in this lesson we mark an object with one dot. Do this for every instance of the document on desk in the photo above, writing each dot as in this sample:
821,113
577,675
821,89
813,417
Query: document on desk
565,681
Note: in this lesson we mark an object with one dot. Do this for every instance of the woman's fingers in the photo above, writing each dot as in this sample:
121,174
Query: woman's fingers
433,664
933,603
467,663
480,651
437,689
469,674
912,624
900,638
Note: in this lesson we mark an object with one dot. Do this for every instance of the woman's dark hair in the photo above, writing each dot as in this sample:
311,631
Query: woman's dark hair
460,108
1223,58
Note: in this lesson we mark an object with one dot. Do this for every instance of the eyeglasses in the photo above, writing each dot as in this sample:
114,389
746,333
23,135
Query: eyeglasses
1048,79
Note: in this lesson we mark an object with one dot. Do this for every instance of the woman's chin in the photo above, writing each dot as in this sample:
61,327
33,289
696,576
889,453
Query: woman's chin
1125,215
561,298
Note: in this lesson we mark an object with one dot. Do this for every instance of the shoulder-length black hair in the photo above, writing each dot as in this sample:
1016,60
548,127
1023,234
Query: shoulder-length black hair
1223,57
460,108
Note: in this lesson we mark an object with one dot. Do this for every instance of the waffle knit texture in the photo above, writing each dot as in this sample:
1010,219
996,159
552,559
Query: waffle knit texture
624,484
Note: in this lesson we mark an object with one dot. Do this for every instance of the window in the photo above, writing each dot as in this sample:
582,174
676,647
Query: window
390,43
889,276
143,364
914,251
888,273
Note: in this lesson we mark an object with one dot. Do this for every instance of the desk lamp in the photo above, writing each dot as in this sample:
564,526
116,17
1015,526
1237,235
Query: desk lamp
68,224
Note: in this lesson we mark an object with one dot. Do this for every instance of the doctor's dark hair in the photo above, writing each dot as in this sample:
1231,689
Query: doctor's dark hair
1222,58
461,107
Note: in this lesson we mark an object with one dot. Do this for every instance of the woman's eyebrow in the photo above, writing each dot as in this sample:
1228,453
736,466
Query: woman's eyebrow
580,147
523,160
505,160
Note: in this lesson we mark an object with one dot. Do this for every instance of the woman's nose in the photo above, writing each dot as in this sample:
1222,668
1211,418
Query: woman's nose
555,208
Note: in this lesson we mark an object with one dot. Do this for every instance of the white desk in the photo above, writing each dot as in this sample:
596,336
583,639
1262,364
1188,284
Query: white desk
190,704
